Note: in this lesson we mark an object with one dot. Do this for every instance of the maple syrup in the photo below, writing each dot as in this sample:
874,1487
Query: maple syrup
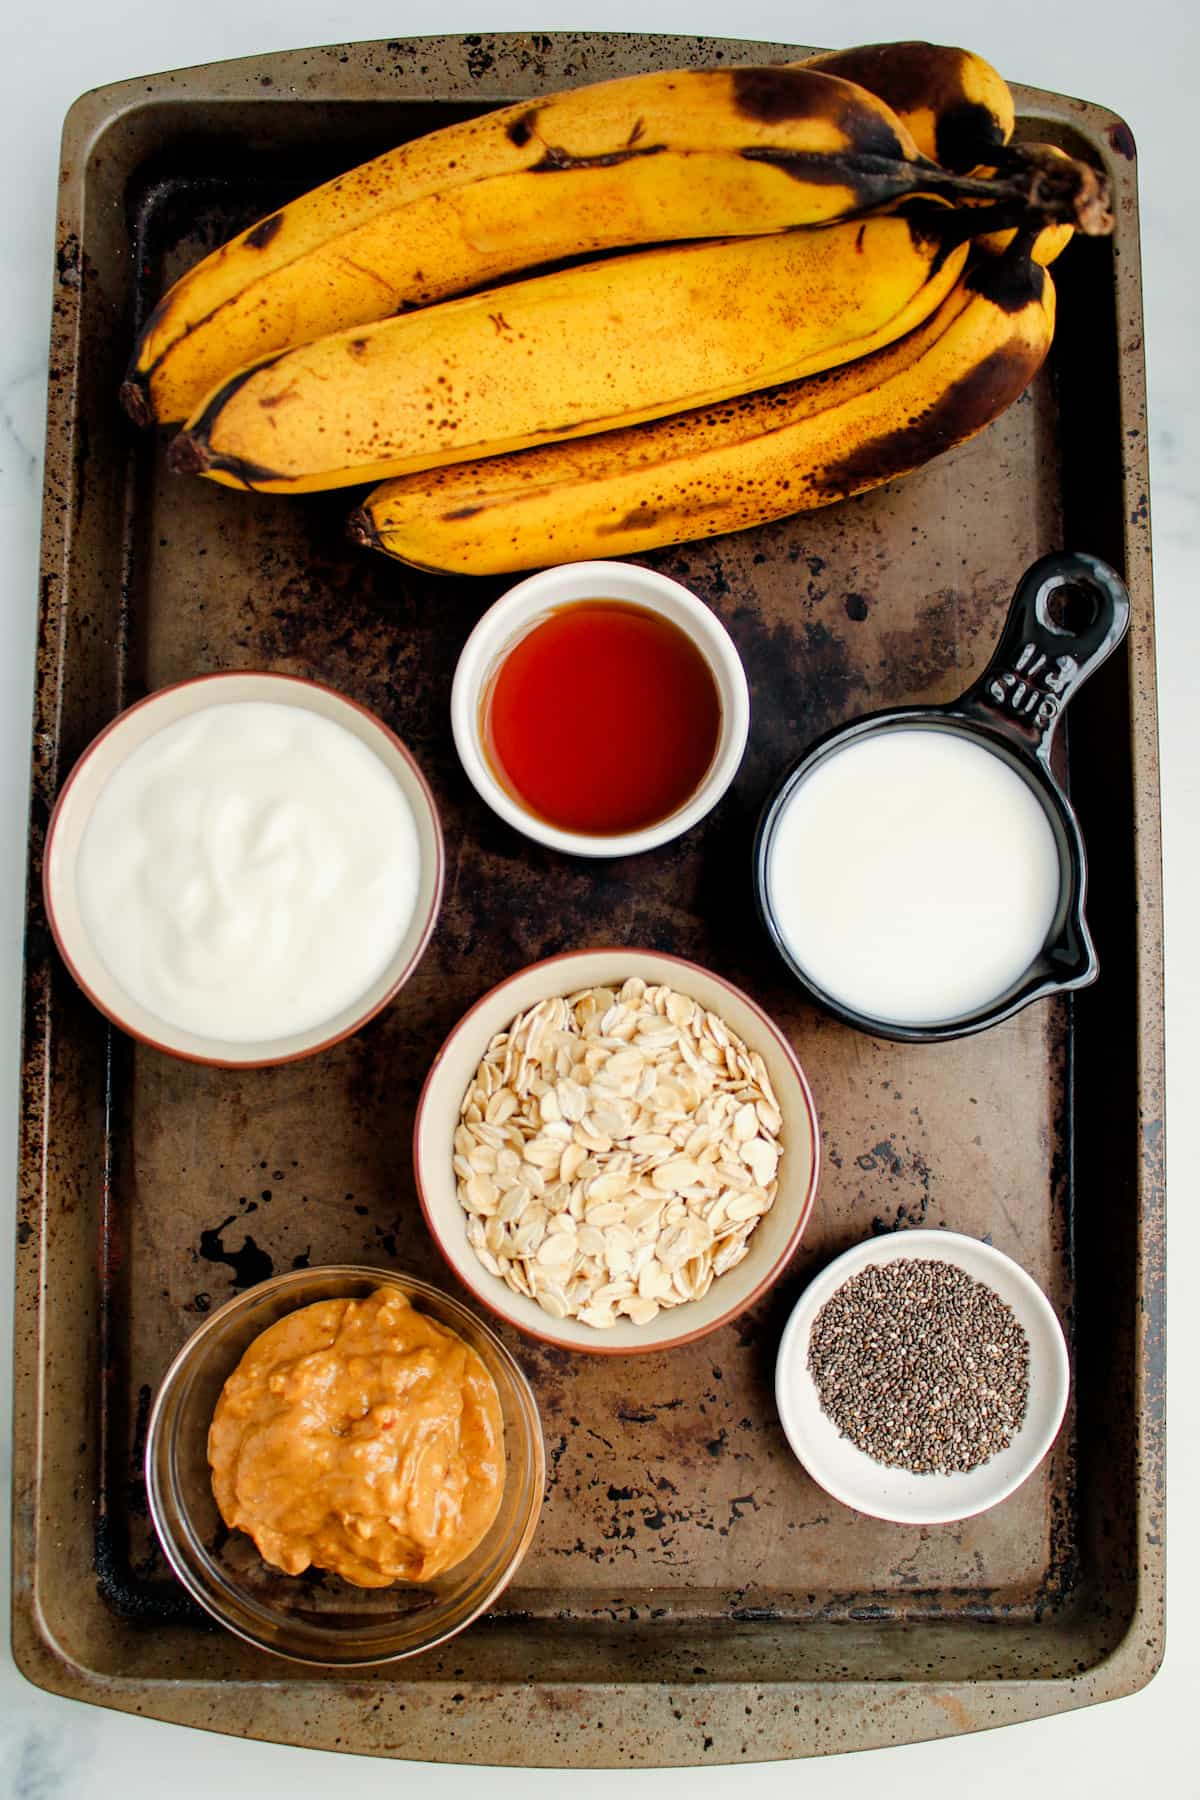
602,719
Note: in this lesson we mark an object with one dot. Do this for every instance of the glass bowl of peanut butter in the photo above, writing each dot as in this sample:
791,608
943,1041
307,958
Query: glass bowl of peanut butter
345,1466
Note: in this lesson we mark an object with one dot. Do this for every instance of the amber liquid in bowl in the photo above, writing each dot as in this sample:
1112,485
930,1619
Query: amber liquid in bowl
603,718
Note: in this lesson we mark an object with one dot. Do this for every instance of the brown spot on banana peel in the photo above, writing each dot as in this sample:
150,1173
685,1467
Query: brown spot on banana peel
906,75
967,134
260,235
966,406
1011,281
269,402
936,228
772,96
641,518
914,76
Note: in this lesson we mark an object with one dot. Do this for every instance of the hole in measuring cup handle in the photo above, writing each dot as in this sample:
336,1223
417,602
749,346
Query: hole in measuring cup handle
1048,648
1068,609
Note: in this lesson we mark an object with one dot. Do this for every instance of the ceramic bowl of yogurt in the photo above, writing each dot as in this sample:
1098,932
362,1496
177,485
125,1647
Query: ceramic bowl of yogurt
243,869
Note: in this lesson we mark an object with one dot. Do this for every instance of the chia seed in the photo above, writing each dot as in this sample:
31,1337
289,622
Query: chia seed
920,1366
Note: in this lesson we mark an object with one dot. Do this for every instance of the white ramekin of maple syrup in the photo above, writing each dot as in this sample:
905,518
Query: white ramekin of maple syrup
600,708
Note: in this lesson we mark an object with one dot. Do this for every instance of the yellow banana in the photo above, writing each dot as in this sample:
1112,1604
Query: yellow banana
1047,247
643,160
582,350
958,110
726,468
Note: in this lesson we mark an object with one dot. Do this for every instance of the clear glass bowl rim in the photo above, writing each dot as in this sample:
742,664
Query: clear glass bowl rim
220,1597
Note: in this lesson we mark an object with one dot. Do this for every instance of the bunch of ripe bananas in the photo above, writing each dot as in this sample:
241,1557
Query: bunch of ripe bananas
644,311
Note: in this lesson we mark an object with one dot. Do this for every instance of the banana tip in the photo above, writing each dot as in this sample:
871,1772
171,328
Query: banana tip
136,401
1094,213
187,455
1069,191
360,529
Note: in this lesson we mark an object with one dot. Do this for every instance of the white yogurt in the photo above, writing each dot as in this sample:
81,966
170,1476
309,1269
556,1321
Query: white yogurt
913,876
248,871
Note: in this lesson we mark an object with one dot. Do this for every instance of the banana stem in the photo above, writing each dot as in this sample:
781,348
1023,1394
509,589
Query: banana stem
949,226
1040,184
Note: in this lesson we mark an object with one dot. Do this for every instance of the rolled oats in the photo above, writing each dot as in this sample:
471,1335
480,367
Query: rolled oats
615,1152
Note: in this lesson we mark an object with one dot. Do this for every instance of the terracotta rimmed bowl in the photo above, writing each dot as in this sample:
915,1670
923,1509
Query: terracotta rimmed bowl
772,1244
317,1617
73,810
855,1478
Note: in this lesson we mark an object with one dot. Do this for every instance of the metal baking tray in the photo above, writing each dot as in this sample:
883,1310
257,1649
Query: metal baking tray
691,1596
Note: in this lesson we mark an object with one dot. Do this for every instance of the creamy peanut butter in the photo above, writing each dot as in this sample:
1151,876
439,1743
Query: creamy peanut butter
359,1436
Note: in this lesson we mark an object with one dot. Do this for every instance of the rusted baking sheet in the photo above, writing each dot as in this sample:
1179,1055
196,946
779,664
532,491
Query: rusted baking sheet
691,1596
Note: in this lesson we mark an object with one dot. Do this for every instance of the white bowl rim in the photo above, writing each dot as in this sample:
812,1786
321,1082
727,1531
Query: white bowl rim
475,1283
922,1243
521,605
302,682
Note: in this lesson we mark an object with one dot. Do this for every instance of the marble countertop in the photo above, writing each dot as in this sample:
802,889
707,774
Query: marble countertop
1136,61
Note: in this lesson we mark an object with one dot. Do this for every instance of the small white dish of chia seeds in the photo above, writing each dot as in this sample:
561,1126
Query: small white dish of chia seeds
922,1377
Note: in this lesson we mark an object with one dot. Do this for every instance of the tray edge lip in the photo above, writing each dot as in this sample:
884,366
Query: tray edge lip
96,111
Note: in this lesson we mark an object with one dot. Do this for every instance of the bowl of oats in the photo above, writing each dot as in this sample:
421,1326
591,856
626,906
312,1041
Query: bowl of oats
616,1151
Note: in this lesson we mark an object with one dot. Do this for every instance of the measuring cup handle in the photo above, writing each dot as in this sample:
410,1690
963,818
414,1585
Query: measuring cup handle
1038,664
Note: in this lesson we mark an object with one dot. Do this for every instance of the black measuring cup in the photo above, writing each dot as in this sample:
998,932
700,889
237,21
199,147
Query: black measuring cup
1069,612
